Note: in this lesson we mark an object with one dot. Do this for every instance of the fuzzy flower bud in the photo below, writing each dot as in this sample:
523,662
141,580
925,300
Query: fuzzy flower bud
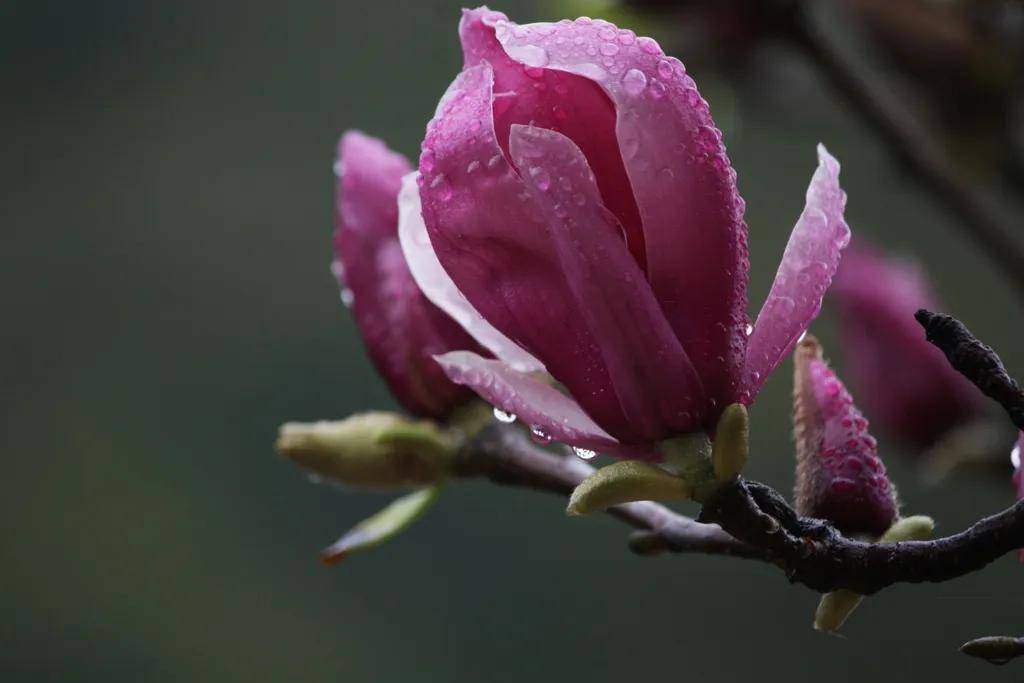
839,475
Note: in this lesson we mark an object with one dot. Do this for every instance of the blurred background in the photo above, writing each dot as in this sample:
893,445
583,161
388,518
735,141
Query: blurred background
166,207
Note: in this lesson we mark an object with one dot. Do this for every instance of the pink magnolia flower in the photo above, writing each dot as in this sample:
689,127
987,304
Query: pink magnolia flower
839,475
905,384
578,202
401,329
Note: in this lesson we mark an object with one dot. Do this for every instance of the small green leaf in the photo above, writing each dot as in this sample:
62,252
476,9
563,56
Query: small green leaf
624,482
732,443
389,522
914,528
834,608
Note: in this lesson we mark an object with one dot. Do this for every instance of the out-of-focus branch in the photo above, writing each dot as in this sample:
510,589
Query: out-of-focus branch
907,141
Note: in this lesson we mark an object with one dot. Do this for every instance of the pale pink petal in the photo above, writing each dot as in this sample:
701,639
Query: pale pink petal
683,183
493,242
808,265
438,286
655,382
535,403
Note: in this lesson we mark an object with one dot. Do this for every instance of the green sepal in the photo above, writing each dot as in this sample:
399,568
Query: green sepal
624,482
381,527
836,607
732,443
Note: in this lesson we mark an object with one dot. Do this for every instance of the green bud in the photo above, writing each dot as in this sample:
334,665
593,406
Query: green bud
994,649
914,528
624,482
834,608
732,443
382,526
373,449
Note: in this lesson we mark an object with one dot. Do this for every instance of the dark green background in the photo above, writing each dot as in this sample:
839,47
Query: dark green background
165,200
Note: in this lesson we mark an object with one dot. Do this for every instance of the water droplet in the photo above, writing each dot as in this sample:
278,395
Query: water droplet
473,167
665,68
584,453
657,89
501,416
634,82
627,37
494,161
609,49
440,185
1015,457
649,45
541,178
749,329
347,297
539,435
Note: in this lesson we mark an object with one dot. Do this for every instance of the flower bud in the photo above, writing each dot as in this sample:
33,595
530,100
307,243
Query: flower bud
905,384
839,474
373,449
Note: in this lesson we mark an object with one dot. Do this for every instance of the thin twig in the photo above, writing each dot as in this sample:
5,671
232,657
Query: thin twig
906,140
506,456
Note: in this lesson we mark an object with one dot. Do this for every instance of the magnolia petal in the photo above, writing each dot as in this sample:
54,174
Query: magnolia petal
808,264
694,237
527,93
493,242
400,328
534,402
438,286
655,382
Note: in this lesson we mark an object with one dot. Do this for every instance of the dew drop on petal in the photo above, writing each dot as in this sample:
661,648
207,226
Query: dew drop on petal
501,416
634,82
1015,457
347,297
540,436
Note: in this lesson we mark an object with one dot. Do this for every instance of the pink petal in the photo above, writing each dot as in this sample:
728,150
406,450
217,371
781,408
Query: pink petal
401,329
655,382
684,185
494,244
808,264
438,286
535,403
578,108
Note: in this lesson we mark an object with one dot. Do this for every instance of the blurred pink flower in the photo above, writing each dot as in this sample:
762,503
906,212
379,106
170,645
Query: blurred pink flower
401,328
839,475
580,203
904,383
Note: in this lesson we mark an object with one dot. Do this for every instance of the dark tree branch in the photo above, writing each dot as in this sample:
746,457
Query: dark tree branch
975,361
906,140
748,519
813,553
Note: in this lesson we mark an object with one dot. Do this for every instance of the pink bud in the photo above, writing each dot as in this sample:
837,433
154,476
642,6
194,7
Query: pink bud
905,384
401,329
578,195
839,475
